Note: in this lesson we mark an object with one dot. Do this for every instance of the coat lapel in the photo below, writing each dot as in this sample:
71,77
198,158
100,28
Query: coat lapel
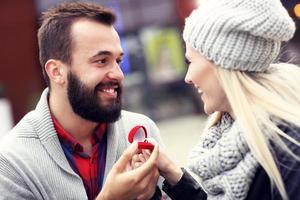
47,134
112,145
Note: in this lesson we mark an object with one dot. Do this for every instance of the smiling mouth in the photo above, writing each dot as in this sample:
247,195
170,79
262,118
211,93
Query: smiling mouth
110,91
198,89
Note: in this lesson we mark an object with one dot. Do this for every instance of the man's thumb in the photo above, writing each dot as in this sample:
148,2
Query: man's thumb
121,164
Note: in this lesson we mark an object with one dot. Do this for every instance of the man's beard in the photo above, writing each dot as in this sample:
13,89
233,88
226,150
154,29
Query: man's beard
86,103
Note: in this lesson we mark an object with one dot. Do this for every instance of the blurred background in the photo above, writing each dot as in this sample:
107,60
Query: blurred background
154,64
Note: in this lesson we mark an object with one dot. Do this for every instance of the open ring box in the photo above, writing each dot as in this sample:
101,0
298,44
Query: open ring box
139,134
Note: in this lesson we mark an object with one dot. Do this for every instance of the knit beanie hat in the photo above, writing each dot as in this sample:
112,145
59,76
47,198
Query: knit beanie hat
243,35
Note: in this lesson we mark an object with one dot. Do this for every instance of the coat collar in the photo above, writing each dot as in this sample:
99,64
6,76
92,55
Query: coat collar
45,130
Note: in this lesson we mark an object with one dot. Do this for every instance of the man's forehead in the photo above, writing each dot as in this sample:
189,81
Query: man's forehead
95,37
86,28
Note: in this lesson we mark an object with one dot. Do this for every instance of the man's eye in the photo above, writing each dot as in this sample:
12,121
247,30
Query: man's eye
102,61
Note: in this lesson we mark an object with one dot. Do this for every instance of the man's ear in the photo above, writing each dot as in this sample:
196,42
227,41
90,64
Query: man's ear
56,72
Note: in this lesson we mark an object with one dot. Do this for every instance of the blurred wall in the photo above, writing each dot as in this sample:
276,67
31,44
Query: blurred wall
20,73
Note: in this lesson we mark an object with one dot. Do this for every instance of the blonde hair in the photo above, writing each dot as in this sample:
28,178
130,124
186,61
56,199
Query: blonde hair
259,102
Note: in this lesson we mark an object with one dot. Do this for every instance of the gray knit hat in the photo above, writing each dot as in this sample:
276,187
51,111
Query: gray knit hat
243,35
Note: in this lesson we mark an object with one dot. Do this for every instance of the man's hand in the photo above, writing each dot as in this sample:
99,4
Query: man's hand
139,159
139,183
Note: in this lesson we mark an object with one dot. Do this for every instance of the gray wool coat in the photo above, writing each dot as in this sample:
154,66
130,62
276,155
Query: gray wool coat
33,164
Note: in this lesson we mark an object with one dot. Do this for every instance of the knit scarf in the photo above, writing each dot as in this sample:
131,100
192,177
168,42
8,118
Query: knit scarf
223,161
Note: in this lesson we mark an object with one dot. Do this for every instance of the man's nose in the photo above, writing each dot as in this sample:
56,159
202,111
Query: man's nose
116,73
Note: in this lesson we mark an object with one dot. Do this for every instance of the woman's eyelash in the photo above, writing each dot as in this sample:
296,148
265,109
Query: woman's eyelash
119,61
187,61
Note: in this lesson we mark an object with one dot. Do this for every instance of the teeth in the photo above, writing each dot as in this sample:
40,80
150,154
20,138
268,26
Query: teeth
199,91
111,91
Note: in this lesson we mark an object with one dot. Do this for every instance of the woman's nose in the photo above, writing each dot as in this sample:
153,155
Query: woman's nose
187,78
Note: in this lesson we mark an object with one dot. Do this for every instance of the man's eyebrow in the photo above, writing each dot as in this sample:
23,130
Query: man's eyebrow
106,53
101,53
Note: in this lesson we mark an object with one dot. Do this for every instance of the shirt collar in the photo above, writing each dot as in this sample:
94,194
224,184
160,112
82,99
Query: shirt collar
67,138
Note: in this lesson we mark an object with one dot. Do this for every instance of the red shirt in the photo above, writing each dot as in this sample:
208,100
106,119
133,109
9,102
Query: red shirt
89,167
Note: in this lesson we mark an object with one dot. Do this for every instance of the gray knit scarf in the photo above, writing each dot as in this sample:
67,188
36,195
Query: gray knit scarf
223,161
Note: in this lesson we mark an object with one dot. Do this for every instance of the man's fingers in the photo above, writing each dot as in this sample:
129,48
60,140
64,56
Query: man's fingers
137,165
142,157
126,157
146,154
148,166
135,158
150,178
150,182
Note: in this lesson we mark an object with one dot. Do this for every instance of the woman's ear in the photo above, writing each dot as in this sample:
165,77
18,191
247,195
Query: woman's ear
55,71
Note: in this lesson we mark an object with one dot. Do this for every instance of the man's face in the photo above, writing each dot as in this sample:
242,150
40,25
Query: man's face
94,77
86,102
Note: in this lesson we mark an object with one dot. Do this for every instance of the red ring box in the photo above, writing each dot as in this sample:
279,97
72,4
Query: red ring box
141,145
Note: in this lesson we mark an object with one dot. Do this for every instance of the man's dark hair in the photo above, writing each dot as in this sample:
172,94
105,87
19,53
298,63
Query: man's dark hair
54,37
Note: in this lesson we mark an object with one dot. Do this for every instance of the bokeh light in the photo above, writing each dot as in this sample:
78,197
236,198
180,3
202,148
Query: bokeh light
297,10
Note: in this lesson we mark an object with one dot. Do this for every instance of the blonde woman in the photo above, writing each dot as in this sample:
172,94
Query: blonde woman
250,149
